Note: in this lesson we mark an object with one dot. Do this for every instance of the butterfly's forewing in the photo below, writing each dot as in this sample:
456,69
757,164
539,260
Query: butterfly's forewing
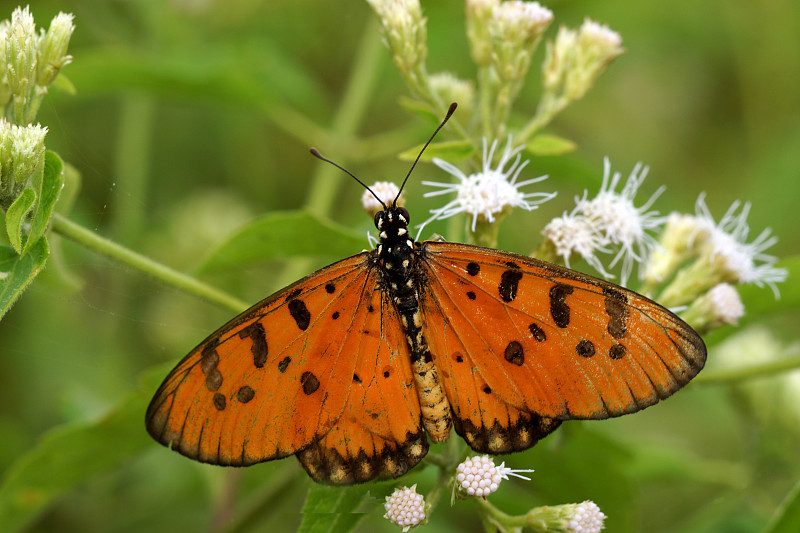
313,369
513,336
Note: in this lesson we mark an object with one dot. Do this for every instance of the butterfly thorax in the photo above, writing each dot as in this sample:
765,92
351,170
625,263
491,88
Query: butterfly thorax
397,257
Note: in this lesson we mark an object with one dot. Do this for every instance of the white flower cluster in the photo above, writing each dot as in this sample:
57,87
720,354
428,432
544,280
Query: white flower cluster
405,507
586,518
610,219
478,476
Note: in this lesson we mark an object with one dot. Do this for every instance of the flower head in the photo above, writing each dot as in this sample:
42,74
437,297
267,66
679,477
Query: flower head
728,249
574,233
404,30
620,220
489,193
386,191
405,507
586,518
609,219
52,53
719,306
578,57
478,476
515,29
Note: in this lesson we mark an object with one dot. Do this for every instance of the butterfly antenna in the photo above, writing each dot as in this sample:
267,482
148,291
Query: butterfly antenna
318,155
449,114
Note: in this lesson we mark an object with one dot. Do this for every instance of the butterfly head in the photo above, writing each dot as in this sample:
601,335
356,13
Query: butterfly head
396,244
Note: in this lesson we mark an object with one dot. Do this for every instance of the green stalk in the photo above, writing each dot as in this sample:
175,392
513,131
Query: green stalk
749,372
163,273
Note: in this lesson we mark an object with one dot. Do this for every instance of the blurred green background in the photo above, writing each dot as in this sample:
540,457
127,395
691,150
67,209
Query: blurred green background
193,116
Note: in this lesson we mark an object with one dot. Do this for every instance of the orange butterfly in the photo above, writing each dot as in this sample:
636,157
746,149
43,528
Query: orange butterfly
356,366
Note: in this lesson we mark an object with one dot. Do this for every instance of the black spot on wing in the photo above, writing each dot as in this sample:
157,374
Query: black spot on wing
537,332
245,394
473,269
300,314
559,309
509,283
255,332
514,353
585,348
309,382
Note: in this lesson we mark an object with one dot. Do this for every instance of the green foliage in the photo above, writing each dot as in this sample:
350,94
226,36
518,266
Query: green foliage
282,234
19,271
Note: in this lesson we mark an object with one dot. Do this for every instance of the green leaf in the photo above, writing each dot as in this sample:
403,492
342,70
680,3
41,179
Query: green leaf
18,271
787,517
64,84
70,455
282,234
15,216
332,509
420,109
52,183
547,144
451,151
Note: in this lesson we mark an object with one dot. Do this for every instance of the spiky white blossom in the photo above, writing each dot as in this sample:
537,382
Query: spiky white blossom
741,262
490,192
478,476
405,507
574,233
617,217
609,220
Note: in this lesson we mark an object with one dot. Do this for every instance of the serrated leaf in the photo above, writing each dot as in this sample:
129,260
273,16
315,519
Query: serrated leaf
451,151
18,271
332,509
787,517
548,144
15,217
69,455
283,234
52,183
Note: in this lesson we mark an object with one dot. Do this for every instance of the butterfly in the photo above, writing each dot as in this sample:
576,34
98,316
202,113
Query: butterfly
356,367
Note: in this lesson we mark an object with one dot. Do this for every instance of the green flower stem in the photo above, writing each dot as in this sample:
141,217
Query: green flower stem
485,95
750,372
501,520
163,273
549,107
486,232
327,179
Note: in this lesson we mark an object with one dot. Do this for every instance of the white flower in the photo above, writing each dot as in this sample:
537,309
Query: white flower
478,476
599,35
405,507
624,224
728,247
574,233
386,191
586,518
725,304
719,306
488,193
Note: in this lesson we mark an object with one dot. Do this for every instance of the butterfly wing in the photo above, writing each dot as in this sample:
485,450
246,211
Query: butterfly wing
523,344
319,369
